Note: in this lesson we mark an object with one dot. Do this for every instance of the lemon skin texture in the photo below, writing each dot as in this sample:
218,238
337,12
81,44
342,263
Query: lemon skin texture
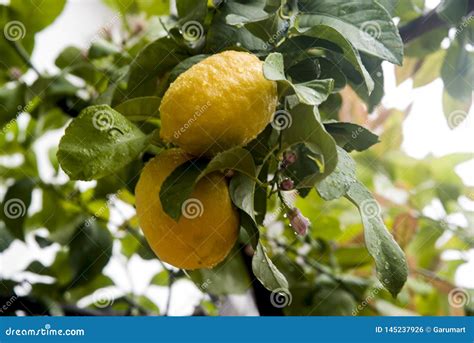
219,103
208,227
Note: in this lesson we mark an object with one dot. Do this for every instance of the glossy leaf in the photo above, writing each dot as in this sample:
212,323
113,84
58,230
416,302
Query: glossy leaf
365,24
336,184
390,262
266,272
178,186
99,142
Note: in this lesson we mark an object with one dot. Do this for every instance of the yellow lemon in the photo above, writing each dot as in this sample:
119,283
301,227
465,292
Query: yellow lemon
208,226
219,103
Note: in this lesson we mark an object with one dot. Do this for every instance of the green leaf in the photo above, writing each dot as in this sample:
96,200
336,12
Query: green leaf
154,7
270,28
351,136
430,69
266,272
312,92
101,48
250,235
457,72
99,142
140,108
330,38
189,10
305,167
160,279
222,35
329,70
336,184
90,251
152,62
228,277
455,110
37,14
242,189
150,7
5,238
15,205
58,216
178,186
365,24
274,67
390,262
242,193
11,101
452,11
305,127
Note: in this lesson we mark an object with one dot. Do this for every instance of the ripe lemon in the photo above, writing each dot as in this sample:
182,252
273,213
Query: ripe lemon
208,226
219,103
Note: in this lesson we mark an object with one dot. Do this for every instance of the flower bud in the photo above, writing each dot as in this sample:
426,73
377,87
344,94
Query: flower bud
287,184
289,157
298,222
14,73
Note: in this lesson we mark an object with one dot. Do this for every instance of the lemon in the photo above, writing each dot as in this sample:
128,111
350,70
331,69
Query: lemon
219,103
208,226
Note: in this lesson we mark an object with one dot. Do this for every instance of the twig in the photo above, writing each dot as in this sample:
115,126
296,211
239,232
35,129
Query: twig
23,55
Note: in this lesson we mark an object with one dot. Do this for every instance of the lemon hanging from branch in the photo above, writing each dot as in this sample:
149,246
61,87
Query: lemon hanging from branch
219,103
208,227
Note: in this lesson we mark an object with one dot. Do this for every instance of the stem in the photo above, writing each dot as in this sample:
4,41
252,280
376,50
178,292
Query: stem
23,55
170,287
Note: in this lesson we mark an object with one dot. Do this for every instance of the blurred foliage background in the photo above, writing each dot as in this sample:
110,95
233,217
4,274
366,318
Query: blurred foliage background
329,271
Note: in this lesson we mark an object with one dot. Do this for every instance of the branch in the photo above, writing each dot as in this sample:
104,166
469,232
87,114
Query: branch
23,55
426,23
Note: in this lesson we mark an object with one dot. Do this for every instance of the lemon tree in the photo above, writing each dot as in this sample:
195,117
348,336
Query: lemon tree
219,125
